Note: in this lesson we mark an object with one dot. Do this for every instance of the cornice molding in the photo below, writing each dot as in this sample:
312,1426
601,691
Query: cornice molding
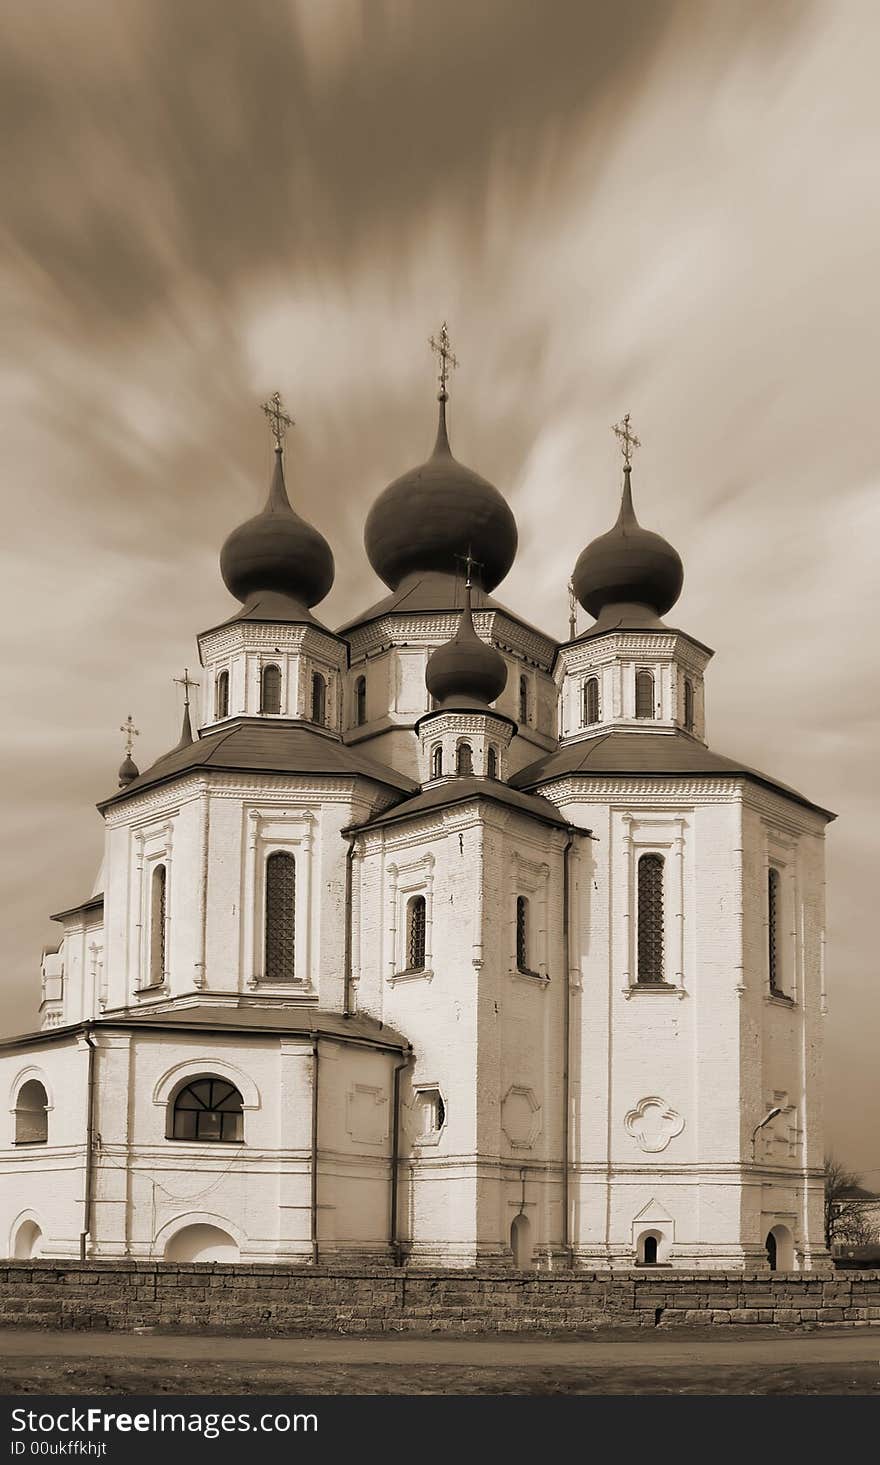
399,630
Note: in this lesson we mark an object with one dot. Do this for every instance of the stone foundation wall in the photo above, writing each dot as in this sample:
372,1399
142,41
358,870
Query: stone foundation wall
284,1300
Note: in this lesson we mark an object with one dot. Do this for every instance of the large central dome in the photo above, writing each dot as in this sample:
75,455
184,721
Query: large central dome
432,516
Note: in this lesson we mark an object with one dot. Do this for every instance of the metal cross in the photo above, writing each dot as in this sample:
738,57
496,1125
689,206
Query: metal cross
470,564
628,439
186,682
572,611
278,418
443,350
131,732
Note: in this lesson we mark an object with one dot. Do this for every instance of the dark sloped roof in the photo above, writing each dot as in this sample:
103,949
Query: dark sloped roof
257,746
461,791
94,903
432,592
646,755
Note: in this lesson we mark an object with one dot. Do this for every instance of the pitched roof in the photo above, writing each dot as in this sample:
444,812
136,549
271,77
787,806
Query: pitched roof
434,593
249,745
461,791
648,755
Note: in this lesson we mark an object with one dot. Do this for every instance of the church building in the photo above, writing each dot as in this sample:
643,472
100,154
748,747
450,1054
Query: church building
434,941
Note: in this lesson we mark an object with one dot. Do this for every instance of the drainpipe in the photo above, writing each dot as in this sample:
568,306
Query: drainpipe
566,1042
90,1143
393,1240
349,864
313,1223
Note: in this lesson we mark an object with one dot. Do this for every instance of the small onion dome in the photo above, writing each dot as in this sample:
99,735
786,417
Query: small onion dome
277,551
628,566
465,672
435,514
128,771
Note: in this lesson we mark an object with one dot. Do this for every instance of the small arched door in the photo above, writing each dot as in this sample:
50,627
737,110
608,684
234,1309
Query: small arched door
27,1241
521,1242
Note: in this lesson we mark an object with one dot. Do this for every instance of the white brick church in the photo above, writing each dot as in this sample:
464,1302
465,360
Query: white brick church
437,941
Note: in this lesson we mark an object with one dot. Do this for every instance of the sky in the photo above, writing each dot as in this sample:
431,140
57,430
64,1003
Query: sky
656,207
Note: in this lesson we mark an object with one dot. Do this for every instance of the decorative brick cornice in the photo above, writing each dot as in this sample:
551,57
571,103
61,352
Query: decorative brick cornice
400,630
242,636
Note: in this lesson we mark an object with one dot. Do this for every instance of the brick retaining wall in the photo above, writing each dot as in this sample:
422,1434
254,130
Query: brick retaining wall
285,1300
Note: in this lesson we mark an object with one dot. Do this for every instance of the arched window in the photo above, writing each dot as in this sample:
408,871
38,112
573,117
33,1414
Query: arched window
360,701
319,698
773,929
650,918
492,763
437,762
688,705
158,923
522,934
523,699
222,695
591,700
207,1109
649,1251
270,688
464,758
644,694
280,964
415,933
31,1114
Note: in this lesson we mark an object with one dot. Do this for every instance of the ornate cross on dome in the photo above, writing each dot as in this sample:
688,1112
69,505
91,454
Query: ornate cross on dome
186,682
131,732
443,351
572,611
628,440
278,419
470,564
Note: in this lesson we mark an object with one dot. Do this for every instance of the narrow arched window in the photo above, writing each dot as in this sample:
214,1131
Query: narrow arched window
492,763
591,700
280,964
158,923
523,699
773,929
522,934
360,701
644,694
416,921
650,918
649,1251
688,705
437,762
270,688
31,1114
464,758
319,698
222,694
207,1109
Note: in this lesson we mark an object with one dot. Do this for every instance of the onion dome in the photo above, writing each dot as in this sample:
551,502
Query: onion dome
465,672
628,566
277,553
429,518
128,771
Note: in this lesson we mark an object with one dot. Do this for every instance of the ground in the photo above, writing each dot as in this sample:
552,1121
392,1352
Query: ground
742,1361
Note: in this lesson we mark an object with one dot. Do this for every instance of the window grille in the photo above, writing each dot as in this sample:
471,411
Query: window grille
280,964
523,699
464,759
223,694
158,917
773,929
360,701
688,706
31,1116
522,934
591,700
415,933
492,763
650,918
644,694
319,699
437,762
208,1109
270,689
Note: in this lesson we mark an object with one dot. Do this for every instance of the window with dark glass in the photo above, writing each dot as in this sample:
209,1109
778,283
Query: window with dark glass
523,699
208,1109
31,1114
688,706
280,965
360,701
158,923
223,694
437,762
650,918
319,698
464,758
591,700
270,688
492,763
415,933
644,694
522,935
773,929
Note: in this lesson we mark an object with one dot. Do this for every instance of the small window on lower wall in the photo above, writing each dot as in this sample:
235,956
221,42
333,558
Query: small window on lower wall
416,930
31,1114
207,1109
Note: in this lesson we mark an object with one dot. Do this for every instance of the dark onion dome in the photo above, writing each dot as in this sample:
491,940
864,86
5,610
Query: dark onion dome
277,553
465,672
628,566
128,771
432,516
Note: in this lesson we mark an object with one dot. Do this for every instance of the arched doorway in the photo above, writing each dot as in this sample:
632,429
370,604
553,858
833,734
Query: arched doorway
521,1243
648,1249
780,1249
201,1243
27,1241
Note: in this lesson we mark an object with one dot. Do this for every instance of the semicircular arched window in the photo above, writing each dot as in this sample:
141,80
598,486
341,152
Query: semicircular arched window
523,699
222,695
158,924
591,701
360,701
650,918
270,688
280,964
416,933
464,758
688,705
31,1114
208,1108
437,762
491,764
319,698
644,694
